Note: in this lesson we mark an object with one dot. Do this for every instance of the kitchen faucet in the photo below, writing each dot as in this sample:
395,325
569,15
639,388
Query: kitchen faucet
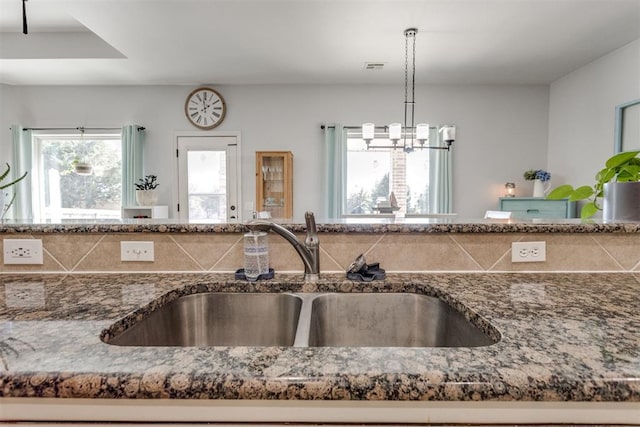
309,251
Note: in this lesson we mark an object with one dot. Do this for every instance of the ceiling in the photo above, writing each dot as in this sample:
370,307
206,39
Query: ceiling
169,42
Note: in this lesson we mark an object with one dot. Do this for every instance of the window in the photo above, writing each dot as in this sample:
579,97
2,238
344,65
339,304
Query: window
207,173
372,175
61,193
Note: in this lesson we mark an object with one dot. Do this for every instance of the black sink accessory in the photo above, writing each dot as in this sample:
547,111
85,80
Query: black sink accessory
360,271
240,275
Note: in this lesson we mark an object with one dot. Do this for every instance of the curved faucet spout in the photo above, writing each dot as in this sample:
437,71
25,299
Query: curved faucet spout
309,252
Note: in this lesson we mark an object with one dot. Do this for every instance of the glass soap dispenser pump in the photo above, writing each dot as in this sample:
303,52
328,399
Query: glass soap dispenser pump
256,255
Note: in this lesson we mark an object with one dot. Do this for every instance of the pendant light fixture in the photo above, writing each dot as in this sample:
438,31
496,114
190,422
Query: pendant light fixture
413,136
82,167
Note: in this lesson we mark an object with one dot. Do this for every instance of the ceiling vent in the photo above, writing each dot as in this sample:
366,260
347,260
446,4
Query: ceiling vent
373,65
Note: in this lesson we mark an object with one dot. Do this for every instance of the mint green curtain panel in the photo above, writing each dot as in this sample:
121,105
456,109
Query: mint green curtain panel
132,161
335,169
22,161
440,177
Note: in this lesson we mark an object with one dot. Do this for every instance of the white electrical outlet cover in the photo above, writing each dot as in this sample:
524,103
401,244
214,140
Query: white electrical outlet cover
24,294
136,251
22,251
528,252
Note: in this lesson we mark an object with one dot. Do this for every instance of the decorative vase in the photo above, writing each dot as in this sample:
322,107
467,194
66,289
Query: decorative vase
540,188
146,197
621,201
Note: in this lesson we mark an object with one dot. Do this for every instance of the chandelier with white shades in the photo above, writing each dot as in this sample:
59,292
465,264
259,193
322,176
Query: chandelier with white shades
413,136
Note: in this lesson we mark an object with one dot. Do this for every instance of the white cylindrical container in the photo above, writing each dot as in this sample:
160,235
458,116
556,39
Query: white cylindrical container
256,255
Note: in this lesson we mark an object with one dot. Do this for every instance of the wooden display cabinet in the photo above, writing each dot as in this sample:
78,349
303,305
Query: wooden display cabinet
274,183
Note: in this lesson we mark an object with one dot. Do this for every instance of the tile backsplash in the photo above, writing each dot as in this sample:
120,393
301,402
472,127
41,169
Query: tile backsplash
396,252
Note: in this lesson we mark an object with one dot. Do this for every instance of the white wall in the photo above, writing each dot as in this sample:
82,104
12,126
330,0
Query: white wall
8,115
502,130
582,114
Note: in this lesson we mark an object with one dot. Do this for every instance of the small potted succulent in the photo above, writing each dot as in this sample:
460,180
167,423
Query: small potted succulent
617,184
146,190
540,180
4,204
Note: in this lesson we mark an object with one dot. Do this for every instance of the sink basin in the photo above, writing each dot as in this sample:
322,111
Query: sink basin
218,319
303,320
390,320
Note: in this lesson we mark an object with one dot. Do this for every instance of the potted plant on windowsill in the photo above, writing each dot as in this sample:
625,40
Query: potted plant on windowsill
4,205
618,184
146,190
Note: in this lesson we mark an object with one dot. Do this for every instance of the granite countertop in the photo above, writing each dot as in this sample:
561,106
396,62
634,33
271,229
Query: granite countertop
564,337
349,225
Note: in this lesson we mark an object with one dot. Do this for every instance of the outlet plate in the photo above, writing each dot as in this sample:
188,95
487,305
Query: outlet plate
136,251
22,251
528,252
24,295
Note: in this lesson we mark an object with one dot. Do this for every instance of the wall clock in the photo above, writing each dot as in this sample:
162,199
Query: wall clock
205,108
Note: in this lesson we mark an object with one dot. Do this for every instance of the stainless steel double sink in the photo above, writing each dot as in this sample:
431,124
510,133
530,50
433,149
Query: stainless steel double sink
305,320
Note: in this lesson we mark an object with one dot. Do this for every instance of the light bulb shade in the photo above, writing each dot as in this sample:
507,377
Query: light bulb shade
395,131
368,130
422,132
448,133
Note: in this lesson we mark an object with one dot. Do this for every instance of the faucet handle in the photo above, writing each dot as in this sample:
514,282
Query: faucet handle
311,222
312,233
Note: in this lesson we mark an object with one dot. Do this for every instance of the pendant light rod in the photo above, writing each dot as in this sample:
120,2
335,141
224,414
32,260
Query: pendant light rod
409,102
24,17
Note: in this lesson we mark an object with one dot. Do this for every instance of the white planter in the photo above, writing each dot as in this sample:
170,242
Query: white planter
621,201
540,188
146,197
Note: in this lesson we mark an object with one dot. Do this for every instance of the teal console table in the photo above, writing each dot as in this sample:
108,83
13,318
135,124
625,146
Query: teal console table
538,207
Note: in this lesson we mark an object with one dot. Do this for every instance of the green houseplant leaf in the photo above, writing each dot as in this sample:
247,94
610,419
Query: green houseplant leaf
588,210
4,207
620,159
561,192
5,174
581,193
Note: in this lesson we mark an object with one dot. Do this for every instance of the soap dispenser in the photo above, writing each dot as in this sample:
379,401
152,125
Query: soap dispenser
256,255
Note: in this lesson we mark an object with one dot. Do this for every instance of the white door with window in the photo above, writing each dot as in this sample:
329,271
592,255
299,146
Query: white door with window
208,184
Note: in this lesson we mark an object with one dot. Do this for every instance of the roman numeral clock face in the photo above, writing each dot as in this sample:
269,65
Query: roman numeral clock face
205,108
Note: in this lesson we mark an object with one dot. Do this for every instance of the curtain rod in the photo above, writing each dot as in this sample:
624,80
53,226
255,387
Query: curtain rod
79,128
323,127
385,128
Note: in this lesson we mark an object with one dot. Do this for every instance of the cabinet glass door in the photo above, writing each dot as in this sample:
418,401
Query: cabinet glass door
274,183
